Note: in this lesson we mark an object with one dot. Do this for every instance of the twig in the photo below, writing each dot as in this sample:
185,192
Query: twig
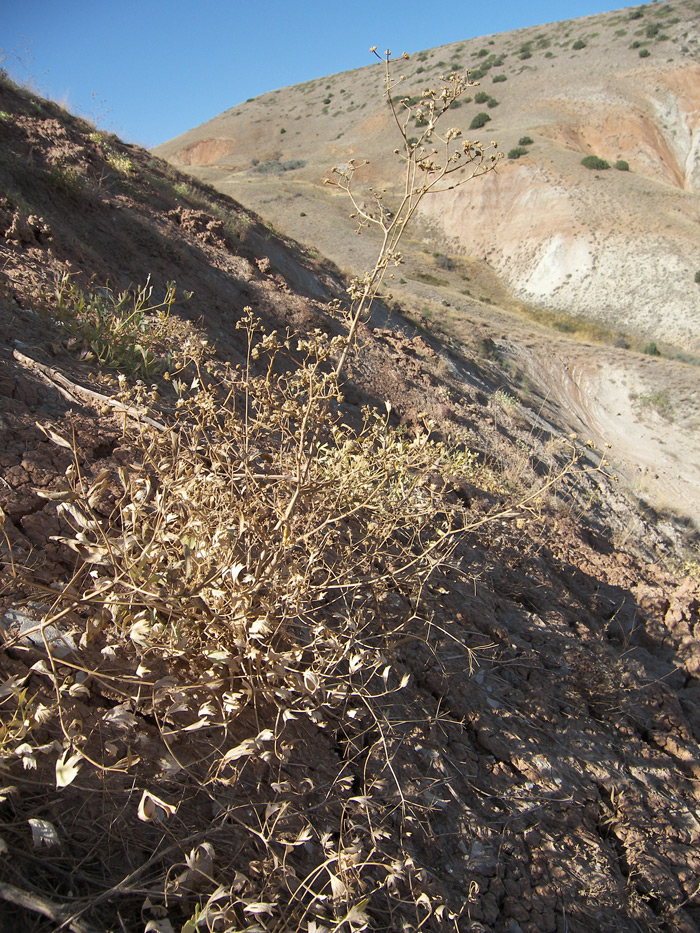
41,905
74,392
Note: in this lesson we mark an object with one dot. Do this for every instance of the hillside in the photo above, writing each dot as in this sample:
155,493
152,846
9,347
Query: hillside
282,652
615,247
606,256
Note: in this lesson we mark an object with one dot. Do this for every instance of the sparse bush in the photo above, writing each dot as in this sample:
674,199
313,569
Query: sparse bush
644,53
622,166
517,152
525,141
491,103
651,349
697,276
481,119
524,55
578,45
652,30
594,162
65,178
636,14
481,97
499,78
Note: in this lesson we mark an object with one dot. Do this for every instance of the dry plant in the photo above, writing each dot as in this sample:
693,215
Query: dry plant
242,583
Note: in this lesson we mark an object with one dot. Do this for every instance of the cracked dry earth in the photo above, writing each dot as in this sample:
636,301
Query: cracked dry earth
553,786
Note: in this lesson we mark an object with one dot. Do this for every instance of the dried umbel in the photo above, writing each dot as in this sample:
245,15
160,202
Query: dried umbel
438,160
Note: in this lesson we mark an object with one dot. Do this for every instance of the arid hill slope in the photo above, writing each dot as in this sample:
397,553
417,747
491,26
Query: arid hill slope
183,747
614,246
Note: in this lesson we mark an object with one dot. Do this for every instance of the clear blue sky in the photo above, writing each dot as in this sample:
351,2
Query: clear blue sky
152,69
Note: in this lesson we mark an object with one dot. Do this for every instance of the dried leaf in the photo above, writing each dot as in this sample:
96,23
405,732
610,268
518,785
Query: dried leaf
78,690
67,768
311,681
121,716
52,436
246,748
139,632
153,809
159,926
43,833
338,887
12,685
235,572
259,907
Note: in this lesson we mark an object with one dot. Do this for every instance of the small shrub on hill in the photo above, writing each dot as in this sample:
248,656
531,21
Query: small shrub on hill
481,97
481,119
594,162
578,44
517,152
525,141
644,53
622,166
498,78
651,349
697,276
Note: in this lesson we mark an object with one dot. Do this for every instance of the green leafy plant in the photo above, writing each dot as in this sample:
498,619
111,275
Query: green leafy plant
697,276
499,78
594,162
126,331
644,53
651,349
480,120
525,141
622,166
578,45
516,152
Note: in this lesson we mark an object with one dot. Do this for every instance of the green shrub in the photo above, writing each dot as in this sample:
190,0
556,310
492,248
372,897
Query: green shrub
594,162
622,166
525,55
481,97
697,276
578,44
492,102
636,14
644,53
652,30
481,119
498,78
651,349
525,141
517,152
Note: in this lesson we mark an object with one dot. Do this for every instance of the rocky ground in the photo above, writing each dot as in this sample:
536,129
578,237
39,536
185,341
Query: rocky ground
541,770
